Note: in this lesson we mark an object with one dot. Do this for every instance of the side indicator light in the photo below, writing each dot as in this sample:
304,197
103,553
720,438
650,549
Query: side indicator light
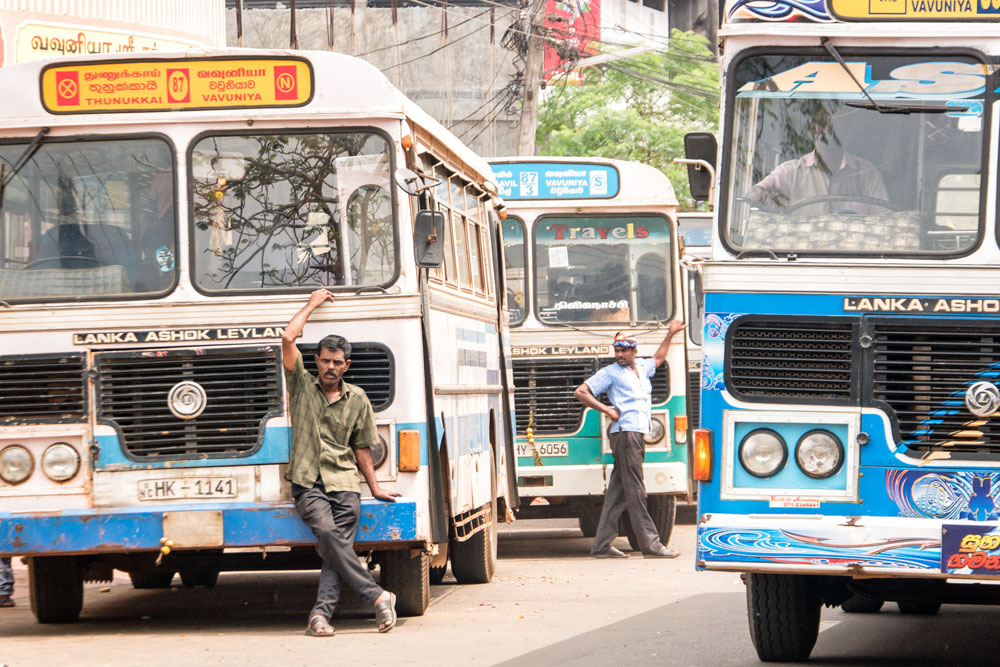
409,451
701,467
681,429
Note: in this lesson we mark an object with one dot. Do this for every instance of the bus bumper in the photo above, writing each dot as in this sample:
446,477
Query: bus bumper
208,526
592,480
858,546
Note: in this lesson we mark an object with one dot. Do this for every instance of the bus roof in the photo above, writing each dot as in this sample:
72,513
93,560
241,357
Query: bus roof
220,82
559,180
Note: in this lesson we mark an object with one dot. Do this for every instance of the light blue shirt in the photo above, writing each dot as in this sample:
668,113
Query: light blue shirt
629,393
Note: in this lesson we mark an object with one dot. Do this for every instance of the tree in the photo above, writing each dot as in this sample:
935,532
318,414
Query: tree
638,108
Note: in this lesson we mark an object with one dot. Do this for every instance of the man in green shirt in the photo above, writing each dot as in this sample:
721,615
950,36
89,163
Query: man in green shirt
333,429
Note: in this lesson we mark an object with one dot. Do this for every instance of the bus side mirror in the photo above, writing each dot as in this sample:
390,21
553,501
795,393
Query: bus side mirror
428,239
700,150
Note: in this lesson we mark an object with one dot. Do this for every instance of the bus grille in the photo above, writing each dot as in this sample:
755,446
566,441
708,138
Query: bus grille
922,372
543,393
790,359
241,386
371,369
42,389
694,398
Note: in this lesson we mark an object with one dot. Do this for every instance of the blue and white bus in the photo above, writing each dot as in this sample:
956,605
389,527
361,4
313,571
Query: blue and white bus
161,218
591,248
850,445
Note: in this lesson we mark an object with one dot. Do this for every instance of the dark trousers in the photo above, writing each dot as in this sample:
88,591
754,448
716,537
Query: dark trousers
333,517
626,491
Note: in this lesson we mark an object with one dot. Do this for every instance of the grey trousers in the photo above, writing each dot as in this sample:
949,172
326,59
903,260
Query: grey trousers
333,517
626,491
6,578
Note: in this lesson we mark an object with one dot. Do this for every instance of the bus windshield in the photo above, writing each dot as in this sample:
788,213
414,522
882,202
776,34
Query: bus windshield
602,269
820,166
87,219
276,211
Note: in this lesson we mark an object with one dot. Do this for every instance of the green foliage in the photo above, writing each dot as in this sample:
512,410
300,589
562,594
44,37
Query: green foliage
637,108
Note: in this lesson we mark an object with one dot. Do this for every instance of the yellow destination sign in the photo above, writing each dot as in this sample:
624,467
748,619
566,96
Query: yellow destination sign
164,85
917,10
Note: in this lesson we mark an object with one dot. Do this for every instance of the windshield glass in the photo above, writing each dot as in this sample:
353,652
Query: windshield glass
87,219
602,269
816,168
514,256
279,211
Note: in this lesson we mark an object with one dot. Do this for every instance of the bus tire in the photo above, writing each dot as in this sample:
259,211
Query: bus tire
590,517
439,564
474,560
857,604
408,576
783,612
206,578
143,579
919,607
663,512
56,588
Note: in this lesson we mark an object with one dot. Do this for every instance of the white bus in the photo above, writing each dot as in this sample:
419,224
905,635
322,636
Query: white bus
591,248
161,219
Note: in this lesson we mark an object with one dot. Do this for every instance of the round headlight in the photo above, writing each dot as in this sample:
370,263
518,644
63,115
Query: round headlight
656,432
60,462
16,464
379,452
763,453
819,454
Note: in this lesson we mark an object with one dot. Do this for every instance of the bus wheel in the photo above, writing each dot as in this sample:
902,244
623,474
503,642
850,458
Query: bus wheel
475,560
857,604
662,510
56,588
922,607
206,578
408,576
439,564
589,518
150,579
784,616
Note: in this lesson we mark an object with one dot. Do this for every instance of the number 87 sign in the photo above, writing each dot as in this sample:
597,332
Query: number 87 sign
121,86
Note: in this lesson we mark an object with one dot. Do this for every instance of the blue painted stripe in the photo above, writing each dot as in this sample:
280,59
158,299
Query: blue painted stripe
275,448
141,528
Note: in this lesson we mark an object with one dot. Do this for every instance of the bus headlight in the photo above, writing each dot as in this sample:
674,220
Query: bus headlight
819,454
763,453
656,432
379,452
60,462
16,464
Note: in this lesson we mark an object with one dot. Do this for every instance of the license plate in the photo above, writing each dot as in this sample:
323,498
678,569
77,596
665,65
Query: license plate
187,487
970,549
544,449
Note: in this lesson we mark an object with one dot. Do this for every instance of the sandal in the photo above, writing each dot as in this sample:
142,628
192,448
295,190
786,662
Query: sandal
6,601
319,627
385,613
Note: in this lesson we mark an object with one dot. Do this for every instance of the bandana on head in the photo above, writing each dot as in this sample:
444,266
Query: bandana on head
622,339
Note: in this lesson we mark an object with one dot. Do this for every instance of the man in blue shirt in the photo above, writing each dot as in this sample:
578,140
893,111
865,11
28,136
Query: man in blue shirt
627,385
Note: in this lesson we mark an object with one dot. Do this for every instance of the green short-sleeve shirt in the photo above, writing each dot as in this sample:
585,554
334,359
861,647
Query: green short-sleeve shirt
324,434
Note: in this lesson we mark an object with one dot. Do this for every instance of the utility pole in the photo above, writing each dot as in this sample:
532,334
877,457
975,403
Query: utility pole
532,77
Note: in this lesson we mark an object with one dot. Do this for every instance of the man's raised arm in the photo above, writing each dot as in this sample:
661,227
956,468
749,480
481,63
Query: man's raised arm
289,351
661,352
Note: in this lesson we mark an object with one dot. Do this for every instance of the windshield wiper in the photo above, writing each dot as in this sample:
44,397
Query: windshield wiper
25,156
908,108
828,45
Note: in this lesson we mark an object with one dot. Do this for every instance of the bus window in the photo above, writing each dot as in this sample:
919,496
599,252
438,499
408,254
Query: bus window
87,219
292,210
514,256
474,257
596,269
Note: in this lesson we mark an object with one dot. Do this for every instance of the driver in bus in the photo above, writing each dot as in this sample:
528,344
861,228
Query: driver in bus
827,171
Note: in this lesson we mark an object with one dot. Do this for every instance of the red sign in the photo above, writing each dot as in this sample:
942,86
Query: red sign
286,82
576,23
67,88
179,85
